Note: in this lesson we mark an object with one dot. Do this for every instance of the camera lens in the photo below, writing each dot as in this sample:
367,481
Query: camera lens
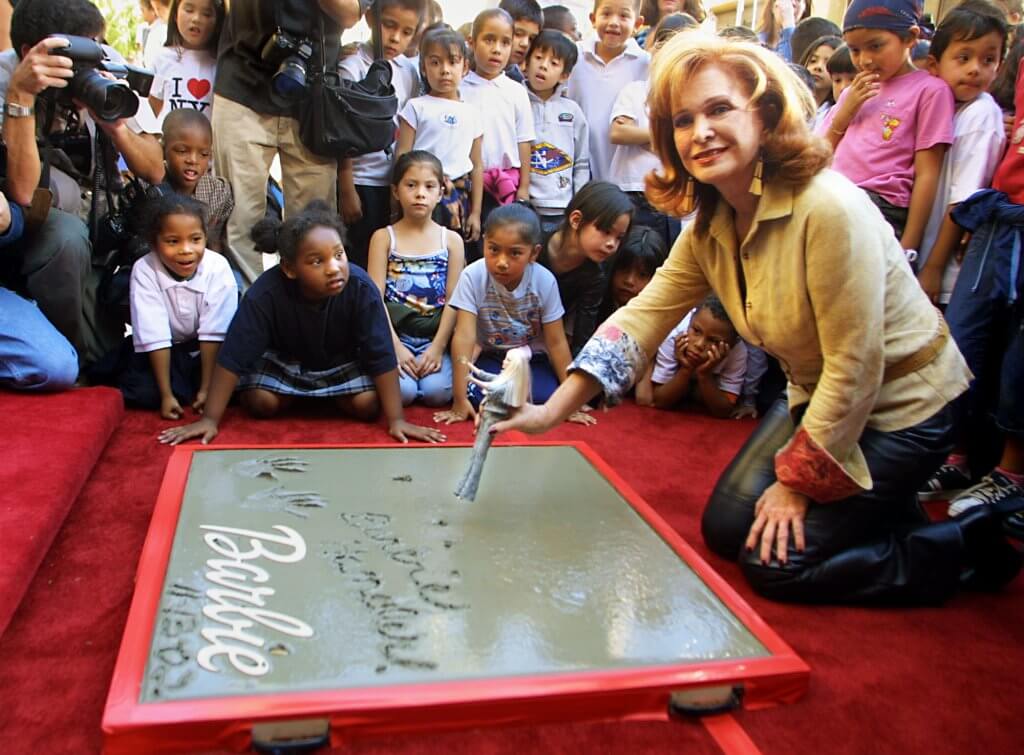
109,100
290,80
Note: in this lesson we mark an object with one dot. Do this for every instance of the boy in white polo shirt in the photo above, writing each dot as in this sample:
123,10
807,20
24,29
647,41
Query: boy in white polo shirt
505,108
606,65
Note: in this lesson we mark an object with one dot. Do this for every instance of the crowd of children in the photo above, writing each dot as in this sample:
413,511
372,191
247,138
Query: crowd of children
510,211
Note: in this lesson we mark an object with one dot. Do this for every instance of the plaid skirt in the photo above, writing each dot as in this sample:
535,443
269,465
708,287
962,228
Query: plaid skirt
275,374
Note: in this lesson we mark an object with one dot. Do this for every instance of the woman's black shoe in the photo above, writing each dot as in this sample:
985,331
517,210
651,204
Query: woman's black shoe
991,562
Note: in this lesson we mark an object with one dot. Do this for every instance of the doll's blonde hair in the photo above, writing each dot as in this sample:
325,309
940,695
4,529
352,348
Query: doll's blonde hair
517,372
791,153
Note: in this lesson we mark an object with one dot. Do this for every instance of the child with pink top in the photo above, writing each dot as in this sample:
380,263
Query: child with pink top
890,129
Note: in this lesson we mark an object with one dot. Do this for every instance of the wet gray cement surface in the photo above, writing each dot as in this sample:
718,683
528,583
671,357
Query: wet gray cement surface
345,568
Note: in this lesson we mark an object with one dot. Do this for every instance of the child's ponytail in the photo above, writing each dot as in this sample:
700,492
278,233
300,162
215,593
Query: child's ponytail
270,235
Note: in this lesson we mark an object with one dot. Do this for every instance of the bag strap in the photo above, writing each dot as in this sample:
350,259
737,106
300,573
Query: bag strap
323,47
378,38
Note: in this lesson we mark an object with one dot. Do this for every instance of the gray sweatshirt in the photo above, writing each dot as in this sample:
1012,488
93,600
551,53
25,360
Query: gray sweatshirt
560,158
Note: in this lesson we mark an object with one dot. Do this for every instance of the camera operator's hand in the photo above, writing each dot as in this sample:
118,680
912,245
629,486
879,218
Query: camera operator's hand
39,70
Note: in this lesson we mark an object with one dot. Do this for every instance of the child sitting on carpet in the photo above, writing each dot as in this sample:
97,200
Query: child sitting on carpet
701,356
504,301
311,327
595,222
415,263
640,255
182,297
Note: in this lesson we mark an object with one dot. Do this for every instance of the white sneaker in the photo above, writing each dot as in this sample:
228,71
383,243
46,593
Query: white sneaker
994,487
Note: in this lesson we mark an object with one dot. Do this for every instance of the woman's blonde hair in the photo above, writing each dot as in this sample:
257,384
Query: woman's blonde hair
791,153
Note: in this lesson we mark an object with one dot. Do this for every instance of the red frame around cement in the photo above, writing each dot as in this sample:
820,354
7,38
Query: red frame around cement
636,694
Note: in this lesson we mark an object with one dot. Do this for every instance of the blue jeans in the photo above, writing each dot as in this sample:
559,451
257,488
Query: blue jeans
665,226
543,380
990,333
33,353
53,266
433,390
551,223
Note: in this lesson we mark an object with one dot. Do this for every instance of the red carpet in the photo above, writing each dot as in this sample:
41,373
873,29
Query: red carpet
935,680
49,446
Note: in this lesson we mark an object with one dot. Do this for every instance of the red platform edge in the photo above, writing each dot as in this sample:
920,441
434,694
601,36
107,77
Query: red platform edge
632,694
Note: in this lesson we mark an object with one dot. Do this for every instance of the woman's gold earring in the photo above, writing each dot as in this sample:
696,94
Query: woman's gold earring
756,184
688,200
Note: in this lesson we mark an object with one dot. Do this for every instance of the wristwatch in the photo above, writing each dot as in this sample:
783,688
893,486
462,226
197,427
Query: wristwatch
11,110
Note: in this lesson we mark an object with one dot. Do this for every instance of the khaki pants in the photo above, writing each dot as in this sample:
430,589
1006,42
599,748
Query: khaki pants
244,145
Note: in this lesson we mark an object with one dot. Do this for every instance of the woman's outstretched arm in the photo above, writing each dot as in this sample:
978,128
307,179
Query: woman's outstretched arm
570,397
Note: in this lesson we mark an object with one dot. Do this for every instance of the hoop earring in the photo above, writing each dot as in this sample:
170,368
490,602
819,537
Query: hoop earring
688,202
757,184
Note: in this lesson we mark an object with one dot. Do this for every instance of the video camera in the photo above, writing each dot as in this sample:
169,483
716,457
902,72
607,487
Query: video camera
109,99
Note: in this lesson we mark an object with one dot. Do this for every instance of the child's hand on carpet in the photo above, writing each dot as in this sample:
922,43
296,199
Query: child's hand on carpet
170,408
460,412
205,429
200,403
404,431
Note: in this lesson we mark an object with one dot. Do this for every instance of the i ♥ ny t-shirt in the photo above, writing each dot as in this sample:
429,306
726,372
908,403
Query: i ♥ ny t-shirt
184,78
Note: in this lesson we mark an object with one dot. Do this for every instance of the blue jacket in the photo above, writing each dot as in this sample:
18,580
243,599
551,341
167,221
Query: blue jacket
16,228
996,224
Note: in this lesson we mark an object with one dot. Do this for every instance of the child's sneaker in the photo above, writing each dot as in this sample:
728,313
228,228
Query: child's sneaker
993,488
945,484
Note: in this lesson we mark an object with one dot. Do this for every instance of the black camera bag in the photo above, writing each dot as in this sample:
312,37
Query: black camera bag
342,118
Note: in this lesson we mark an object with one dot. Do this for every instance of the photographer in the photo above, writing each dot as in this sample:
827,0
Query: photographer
250,124
54,265
33,355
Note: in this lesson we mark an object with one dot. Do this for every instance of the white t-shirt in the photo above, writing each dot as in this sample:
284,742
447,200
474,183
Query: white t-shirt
166,311
730,372
184,78
819,114
593,84
631,162
507,116
978,141
446,128
374,169
154,43
507,319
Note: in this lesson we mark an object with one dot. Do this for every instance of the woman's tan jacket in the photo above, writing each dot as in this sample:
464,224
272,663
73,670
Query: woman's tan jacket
822,284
